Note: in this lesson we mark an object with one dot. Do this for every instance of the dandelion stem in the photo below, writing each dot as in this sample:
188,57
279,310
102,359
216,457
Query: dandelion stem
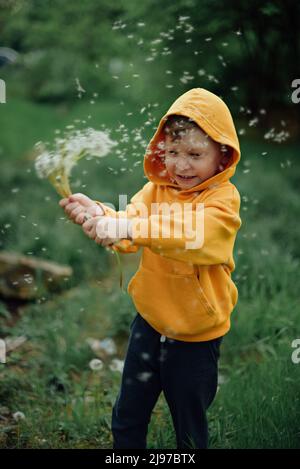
56,165
60,181
120,268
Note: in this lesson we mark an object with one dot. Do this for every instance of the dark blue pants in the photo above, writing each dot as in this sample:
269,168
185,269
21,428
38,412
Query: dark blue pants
186,372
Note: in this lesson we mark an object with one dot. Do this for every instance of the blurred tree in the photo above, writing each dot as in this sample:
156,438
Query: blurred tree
248,52
60,41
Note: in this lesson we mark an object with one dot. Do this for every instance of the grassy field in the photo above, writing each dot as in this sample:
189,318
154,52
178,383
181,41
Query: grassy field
66,404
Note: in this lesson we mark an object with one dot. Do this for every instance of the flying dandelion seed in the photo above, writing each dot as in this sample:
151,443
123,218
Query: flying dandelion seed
253,122
145,356
277,137
144,376
79,88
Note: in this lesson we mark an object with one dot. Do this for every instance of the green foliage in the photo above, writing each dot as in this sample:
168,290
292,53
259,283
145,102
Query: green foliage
246,52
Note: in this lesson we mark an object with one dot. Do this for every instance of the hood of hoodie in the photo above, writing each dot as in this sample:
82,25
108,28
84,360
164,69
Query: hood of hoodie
213,116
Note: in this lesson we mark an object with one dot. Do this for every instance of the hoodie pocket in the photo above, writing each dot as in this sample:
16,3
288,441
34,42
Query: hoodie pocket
175,303
203,298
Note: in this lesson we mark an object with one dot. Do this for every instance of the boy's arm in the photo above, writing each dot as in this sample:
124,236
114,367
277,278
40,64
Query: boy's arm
207,239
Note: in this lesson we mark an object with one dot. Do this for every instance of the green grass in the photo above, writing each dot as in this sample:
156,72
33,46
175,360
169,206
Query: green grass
66,404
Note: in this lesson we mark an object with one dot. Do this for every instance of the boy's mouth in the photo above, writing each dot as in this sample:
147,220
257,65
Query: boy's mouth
185,178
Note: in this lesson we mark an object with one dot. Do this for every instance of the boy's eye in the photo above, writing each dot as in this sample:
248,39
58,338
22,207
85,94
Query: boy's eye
194,155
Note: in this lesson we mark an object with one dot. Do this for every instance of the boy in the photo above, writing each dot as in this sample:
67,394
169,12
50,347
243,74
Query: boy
182,291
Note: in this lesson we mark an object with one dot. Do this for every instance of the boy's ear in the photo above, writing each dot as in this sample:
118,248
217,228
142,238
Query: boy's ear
225,158
226,153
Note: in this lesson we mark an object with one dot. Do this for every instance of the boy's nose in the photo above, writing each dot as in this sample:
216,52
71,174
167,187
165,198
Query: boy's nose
182,163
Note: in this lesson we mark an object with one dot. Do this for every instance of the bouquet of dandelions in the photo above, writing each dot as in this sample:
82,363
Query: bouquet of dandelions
56,164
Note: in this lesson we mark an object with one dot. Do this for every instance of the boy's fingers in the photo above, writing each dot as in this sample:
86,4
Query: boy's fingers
92,233
89,234
100,241
80,218
71,207
76,211
89,213
84,216
107,242
63,202
87,225
82,199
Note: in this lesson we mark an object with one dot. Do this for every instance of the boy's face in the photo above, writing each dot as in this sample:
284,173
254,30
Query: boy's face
192,158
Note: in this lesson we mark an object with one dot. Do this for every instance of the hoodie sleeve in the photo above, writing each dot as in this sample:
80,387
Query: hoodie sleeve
208,237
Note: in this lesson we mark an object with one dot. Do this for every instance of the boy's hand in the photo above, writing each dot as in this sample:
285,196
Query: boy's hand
107,230
79,207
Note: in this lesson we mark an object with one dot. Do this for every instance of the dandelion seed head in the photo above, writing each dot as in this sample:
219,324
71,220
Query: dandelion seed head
116,365
96,364
69,149
17,416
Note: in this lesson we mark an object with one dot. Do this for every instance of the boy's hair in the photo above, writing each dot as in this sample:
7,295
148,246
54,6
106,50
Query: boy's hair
175,126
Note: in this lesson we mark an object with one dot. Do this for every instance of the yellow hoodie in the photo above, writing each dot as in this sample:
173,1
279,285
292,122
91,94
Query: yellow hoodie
186,293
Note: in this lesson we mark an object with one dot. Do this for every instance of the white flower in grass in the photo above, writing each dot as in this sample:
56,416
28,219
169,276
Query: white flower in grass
116,365
107,345
96,364
89,399
17,416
